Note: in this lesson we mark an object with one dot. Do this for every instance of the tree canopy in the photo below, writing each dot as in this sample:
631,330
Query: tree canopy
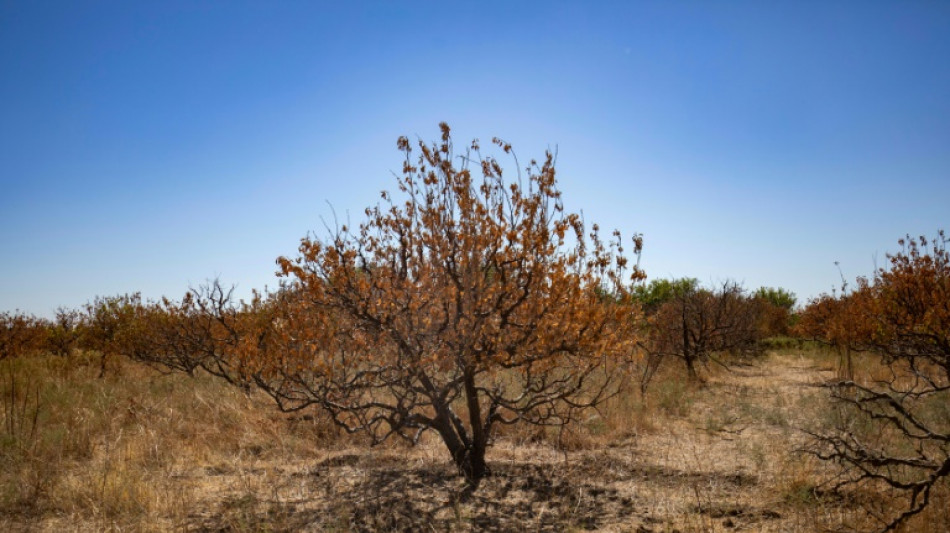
472,300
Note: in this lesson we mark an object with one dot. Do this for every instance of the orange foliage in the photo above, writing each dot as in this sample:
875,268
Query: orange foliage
907,313
903,314
20,334
472,301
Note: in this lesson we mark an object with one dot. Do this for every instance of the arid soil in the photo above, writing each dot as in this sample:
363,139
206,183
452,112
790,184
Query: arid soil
718,457
169,453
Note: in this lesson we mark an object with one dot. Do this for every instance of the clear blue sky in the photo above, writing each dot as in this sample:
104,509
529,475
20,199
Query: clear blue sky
148,146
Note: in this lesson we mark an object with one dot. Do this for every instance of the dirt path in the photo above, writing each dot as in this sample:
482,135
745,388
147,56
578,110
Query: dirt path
734,453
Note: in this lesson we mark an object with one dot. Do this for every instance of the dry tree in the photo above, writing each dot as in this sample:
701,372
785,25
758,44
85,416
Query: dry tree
892,432
472,301
695,324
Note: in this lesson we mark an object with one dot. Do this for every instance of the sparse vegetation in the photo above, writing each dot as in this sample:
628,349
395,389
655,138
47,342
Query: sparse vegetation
143,450
480,317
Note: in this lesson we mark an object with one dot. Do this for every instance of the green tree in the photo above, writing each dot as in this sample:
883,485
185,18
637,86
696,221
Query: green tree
776,310
777,296
657,292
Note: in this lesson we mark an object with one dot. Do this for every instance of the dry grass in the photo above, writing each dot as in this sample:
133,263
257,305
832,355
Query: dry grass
140,451
121,452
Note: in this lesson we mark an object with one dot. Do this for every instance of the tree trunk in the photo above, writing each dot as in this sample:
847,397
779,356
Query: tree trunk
687,348
691,368
102,364
468,457
474,467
